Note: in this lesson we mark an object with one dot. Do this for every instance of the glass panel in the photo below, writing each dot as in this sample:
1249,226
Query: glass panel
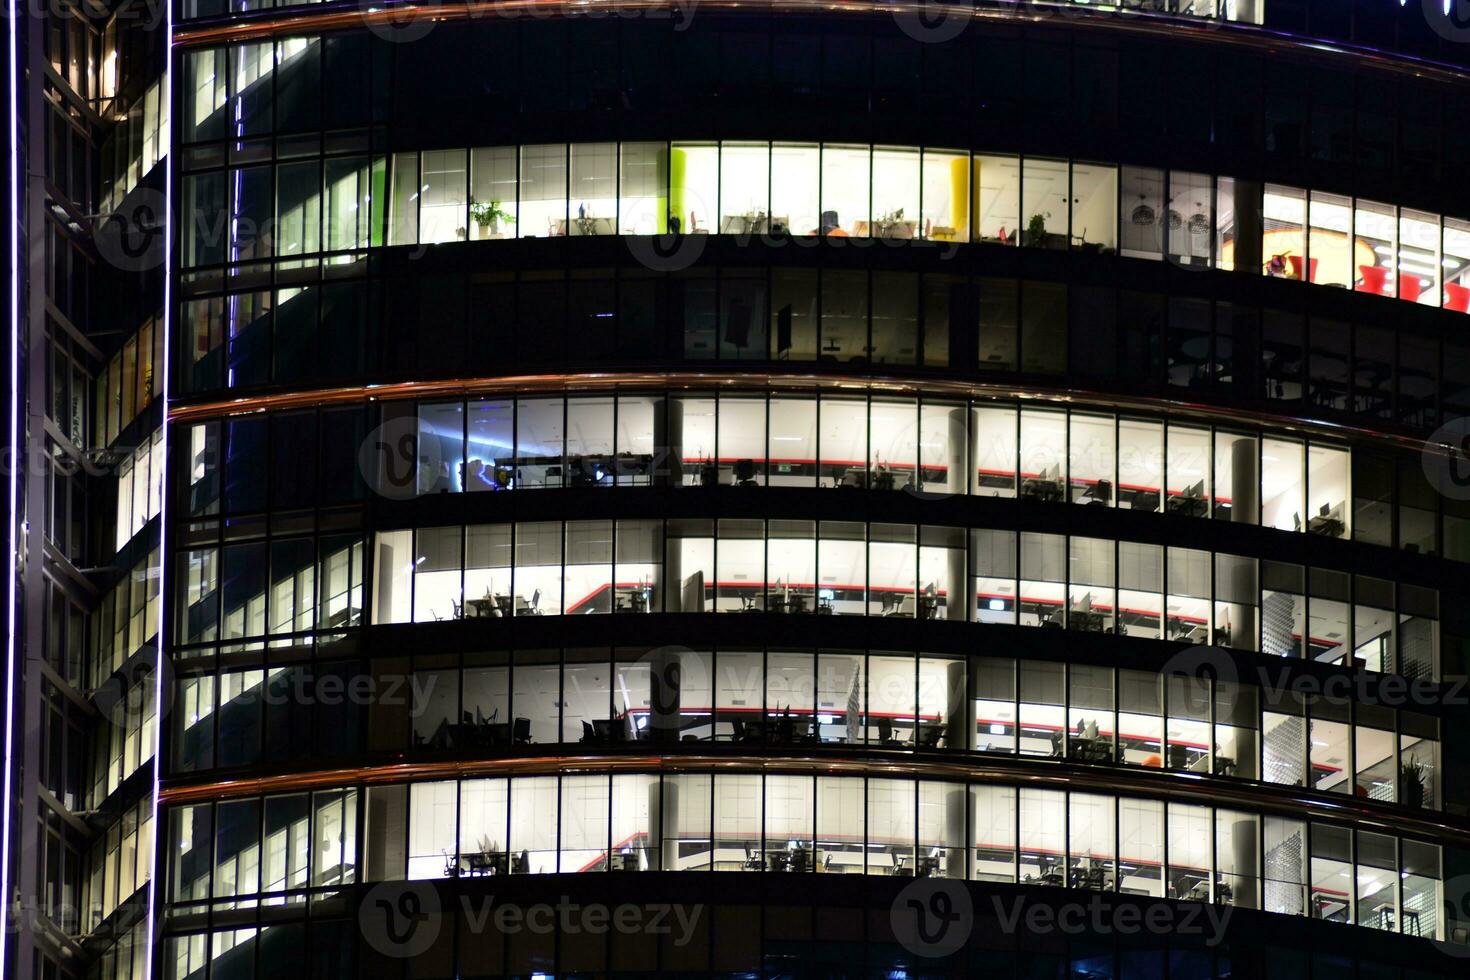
946,205
1043,820
442,215
795,184
994,832
593,198
1419,258
1457,265
1375,228
745,188
1044,203
1333,259
493,192
1282,492
895,193
1141,213
694,188
1091,457
643,182
1094,207
1043,455
543,208
998,199
1283,232
1189,219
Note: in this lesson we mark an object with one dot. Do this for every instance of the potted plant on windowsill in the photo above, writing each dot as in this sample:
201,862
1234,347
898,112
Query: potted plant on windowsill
1036,235
1411,783
488,216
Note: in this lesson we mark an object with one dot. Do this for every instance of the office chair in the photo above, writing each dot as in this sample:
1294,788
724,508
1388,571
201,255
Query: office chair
535,602
745,473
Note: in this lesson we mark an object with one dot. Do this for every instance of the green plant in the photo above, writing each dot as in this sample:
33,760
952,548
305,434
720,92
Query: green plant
486,215
1412,782
1036,228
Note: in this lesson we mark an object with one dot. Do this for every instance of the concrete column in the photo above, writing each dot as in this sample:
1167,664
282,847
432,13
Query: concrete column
1245,481
1248,226
668,438
661,853
1247,864
1245,505
954,456
961,598
664,686
956,828
957,708
673,575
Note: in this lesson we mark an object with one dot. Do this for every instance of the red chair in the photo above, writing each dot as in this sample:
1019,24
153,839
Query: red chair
1457,297
1409,287
1296,269
1375,279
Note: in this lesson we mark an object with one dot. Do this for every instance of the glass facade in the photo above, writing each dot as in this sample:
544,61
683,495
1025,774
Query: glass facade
278,849
870,192
786,698
972,535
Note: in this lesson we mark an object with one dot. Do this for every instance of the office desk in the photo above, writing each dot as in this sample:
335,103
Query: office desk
630,601
794,603
1188,506
929,734
1097,749
752,223
1326,525
1034,488
1087,620
586,225
485,607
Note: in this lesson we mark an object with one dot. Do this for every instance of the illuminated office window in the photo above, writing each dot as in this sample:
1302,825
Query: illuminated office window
1334,252
1456,265
1141,214
745,199
403,213
1283,231
694,189
593,195
896,191
1188,219
443,215
997,182
1419,262
494,190
1376,228
1045,199
945,214
796,178
846,185
643,182
1094,201
543,208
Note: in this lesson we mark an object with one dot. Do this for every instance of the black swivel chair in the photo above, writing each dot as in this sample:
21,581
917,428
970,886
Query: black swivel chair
520,732
745,473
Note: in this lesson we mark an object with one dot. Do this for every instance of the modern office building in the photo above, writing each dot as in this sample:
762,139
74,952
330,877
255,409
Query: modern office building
87,127
765,464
